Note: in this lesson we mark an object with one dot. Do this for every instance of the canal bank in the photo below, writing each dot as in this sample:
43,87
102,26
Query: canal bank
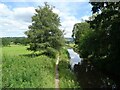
87,75
67,78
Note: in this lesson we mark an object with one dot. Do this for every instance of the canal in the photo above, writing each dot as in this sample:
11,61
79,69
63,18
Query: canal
74,58
87,75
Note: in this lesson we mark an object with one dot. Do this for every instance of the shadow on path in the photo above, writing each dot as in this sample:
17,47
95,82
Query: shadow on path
32,55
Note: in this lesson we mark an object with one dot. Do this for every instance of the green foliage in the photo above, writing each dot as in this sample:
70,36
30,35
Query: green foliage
51,52
66,76
5,42
0,63
19,70
99,42
44,31
79,31
82,33
20,40
107,28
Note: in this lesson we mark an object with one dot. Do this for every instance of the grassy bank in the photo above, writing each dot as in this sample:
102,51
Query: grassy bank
21,70
66,76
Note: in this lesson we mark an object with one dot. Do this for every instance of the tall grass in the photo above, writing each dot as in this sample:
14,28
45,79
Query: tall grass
0,63
67,77
19,70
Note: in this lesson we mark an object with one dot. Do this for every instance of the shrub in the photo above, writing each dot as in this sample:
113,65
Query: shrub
51,52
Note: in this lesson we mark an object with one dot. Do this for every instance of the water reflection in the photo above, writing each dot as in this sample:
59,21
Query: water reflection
87,75
74,58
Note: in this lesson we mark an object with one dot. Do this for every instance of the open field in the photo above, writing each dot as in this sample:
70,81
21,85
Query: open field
21,70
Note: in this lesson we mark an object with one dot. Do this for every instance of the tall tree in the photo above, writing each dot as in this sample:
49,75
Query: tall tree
44,33
81,33
107,29
101,44
5,41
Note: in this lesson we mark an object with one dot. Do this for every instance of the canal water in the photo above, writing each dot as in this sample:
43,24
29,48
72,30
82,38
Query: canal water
87,75
74,58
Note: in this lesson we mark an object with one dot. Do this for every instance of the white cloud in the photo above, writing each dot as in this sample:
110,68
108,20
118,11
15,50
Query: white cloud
68,24
24,13
15,22
67,19
85,17
4,11
56,11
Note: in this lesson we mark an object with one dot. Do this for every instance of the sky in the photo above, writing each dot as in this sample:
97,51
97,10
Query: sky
15,17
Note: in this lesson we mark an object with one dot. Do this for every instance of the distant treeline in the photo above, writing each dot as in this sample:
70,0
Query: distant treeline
6,41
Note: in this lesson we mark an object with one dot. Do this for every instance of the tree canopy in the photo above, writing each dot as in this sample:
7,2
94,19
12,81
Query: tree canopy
107,25
98,39
6,41
44,33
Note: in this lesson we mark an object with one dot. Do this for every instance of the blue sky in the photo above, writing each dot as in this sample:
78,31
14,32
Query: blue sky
15,17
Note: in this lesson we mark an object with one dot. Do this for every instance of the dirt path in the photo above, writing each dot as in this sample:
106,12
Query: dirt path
57,75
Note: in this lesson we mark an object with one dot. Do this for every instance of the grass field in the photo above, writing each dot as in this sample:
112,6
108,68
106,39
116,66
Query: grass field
21,70
0,63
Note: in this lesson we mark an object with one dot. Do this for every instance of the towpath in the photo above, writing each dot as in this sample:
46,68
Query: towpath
57,74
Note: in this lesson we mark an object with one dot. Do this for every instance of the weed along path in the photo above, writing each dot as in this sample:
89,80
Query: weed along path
57,74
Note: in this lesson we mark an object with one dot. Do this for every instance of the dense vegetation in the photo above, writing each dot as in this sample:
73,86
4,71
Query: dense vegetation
0,63
98,40
20,69
67,77
6,41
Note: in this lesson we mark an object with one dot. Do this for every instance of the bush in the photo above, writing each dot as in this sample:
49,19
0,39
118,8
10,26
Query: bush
51,52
